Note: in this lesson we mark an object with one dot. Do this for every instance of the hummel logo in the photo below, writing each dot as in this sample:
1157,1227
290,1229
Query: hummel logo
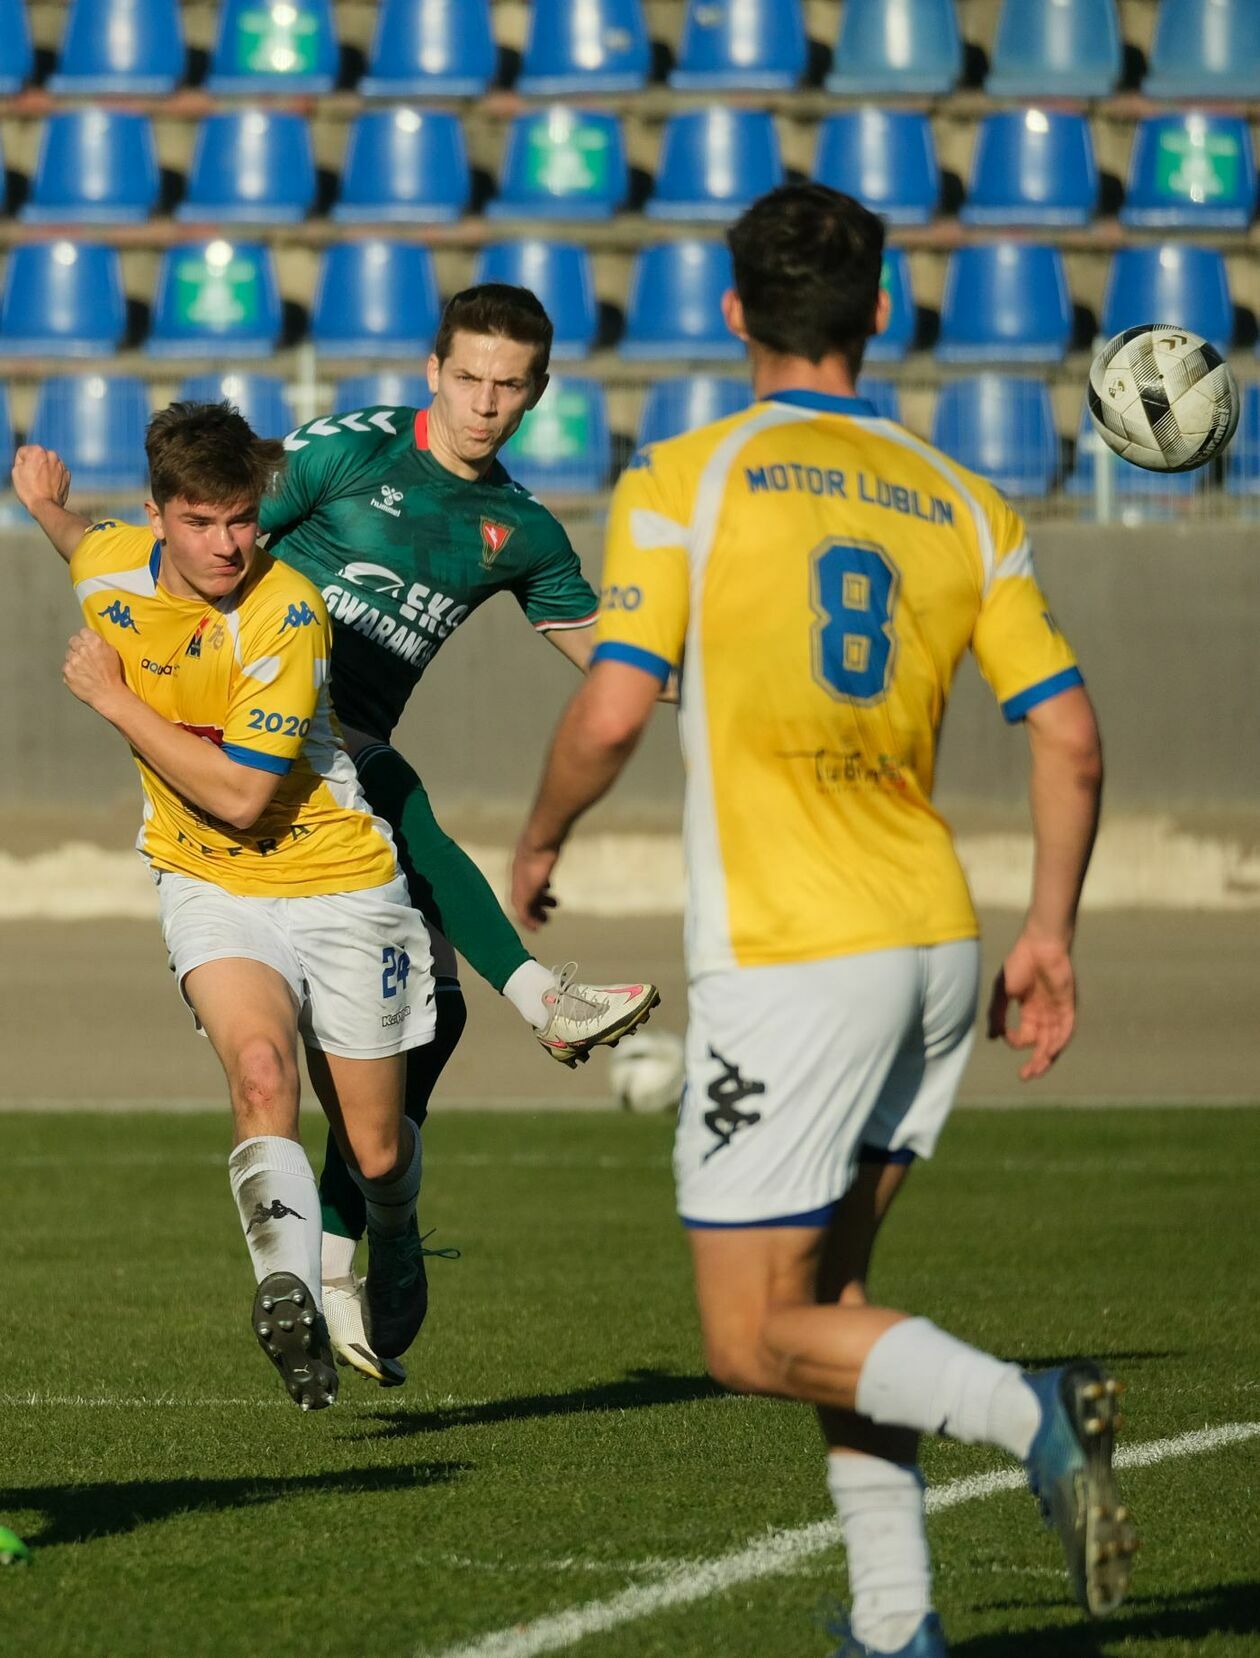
275,1210
726,1092
389,501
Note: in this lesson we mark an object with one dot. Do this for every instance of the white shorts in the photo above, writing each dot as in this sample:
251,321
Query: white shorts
358,963
794,1073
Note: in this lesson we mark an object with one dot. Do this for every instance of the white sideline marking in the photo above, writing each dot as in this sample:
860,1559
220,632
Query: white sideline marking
781,1552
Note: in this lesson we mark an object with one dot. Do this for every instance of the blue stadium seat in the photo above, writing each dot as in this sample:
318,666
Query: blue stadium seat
1056,49
250,166
1001,427
903,317
216,299
593,47
17,54
1205,49
1242,458
562,163
1005,302
754,44
1033,167
95,166
563,446
62,299
7,444
674,406
1176,283
375,299
897,46
275,46
884,394
1192,170
369,391
96,424
431,49
404,166
1128,482
127,46
261,398
884,157
560,274
714,162
674,308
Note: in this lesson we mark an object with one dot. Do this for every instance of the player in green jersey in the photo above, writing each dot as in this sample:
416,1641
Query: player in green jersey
406,522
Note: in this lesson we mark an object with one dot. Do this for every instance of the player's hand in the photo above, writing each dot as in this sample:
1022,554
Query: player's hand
93,670
1039,978
40,475
531,884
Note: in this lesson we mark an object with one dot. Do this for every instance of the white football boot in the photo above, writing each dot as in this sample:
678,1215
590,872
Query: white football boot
343,1312
586,1016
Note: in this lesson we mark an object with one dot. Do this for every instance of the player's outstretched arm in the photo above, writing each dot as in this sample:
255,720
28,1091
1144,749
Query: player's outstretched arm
193,767
1064,793
41,482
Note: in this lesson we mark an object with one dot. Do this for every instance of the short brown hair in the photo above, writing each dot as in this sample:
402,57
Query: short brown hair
497,308
807,269
208,453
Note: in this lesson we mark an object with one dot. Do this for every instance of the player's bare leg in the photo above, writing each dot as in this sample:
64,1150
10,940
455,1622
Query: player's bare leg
363,1099
248,1012
766,1332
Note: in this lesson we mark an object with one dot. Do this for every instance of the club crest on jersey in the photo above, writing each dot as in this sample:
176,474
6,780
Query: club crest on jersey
494,538
194,644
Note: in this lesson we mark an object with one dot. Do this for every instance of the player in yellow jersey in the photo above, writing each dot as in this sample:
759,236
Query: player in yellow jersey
817,573
283,909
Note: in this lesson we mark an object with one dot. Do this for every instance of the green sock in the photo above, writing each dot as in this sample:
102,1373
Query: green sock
446,885
340,1200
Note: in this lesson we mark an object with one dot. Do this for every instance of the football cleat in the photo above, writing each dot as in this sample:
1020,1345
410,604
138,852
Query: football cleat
343,1308
396,1293
1069,1472
586,1016
292,1333
928,1640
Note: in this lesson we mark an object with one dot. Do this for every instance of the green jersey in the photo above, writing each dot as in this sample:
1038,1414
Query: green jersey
404,551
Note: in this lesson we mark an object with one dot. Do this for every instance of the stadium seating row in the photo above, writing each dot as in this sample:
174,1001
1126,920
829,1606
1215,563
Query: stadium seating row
1001,427
1043,48
1003,302
1031,167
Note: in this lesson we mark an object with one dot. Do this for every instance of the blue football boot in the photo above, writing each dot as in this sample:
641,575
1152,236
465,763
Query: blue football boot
928,1641
1069,1473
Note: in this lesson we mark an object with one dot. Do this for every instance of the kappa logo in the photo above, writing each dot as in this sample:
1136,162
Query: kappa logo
119,614
494,538
727,1091
275,1210
375,577
388,502
298,616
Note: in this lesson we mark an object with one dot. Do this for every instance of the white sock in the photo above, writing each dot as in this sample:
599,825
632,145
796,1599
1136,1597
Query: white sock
336,1257
391,1203
278,1202
526,989
880,1505
917,1376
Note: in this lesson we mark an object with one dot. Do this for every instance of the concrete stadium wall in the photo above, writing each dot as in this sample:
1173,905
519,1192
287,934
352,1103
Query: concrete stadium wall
1164,618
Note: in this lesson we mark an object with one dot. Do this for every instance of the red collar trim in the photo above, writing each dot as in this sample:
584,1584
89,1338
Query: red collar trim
422,428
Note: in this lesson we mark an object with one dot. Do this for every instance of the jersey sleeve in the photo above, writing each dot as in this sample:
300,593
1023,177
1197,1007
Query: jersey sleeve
1016,641
553,592
321,458
108,546
284,654
645,600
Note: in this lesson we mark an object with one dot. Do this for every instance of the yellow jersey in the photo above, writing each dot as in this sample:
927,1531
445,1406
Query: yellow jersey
818,572
247,673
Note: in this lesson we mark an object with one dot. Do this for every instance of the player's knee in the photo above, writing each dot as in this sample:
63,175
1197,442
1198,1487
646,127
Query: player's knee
265,1078
735,1365
377,1159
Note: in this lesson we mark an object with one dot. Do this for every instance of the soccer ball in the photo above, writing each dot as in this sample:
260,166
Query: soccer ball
1163,398
647,1071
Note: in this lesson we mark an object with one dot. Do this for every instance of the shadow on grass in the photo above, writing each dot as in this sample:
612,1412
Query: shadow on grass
1053,1360
78,1513
1227,1609
639,1390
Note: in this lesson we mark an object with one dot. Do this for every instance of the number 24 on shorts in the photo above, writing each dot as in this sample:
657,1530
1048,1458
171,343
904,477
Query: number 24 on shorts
395,966
854,595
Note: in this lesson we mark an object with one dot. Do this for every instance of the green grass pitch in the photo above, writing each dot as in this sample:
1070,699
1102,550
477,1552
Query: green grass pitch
558,1442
